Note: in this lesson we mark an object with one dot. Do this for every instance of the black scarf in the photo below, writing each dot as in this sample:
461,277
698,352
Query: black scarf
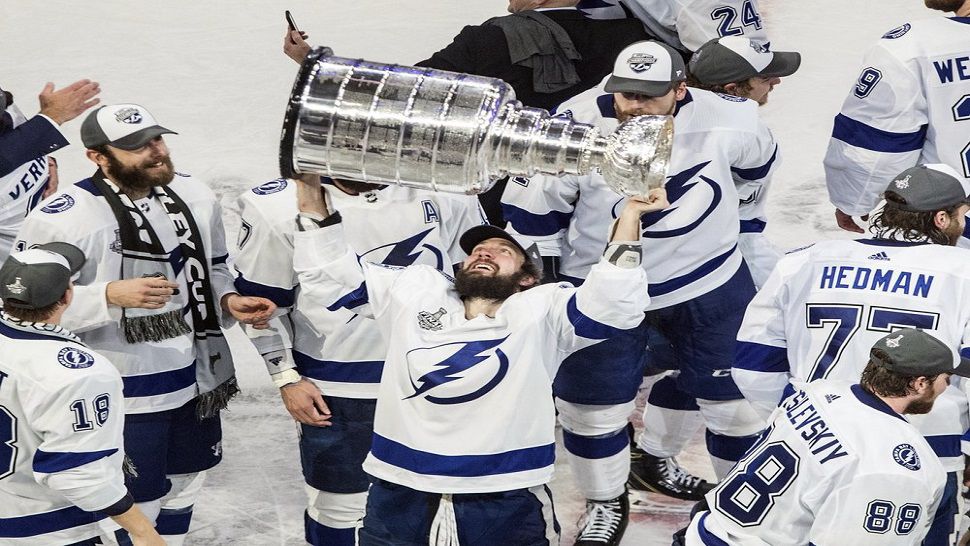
142,255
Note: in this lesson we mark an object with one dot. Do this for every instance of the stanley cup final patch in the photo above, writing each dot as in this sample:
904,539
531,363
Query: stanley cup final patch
431,321
641,62
128,115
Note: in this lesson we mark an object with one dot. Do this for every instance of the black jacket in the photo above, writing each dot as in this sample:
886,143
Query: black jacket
483,50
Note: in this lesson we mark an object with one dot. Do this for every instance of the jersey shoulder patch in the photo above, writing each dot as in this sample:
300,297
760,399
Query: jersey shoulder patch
897,32
905,455
58,204
799,249
183,175
732,98
273,186
74,358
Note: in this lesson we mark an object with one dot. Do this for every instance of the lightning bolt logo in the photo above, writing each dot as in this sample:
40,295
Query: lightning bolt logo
678,186
454,367
406,252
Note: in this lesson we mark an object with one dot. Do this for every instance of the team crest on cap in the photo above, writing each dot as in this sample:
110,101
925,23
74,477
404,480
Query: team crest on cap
128,115
16,287
760,48
641,62
893,341
906,456
903,183
73,358
59,204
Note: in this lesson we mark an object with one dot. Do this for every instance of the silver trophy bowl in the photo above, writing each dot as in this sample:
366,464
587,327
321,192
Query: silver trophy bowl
443,131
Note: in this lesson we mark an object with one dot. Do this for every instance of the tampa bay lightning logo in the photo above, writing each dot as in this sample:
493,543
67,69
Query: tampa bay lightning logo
58,204
455,373
272,186
906,456
897,32
690,204
406,252
73,358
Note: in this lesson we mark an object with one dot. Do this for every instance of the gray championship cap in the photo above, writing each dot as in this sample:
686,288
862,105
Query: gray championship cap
39,276
915,353
929,188
646,68
477,234
731,59
125,126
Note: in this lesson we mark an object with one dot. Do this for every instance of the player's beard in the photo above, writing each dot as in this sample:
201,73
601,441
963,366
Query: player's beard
498,288
944,5
139,178
921,406
953,232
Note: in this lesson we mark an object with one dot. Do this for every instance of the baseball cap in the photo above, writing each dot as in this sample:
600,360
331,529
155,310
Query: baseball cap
913,352
735,58
125,126
646,68
929,187
39,276
477,234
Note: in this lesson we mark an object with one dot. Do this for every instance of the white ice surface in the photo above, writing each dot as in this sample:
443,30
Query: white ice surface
213,71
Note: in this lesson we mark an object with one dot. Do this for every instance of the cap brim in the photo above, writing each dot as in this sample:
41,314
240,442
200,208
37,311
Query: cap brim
617,84
963,368
140,138
783,63
470,239
73,255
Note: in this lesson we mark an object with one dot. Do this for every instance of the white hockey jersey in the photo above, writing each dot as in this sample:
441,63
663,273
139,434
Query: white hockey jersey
910,105
685,24
720,145
157,375
465,405
337,348
837,466
824,306
61,447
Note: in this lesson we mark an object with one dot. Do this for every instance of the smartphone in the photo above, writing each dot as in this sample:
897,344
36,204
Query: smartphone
290,21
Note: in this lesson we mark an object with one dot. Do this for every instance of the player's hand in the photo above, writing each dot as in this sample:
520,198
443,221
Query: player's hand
153,539
145,292
653,201
70,102
295,45
305,403
250,310
846,222
52,182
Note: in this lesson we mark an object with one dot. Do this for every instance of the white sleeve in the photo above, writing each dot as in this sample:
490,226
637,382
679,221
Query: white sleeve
612,298
540,208
877,509
752,171
331,277
878,134
761,369
220,274
81,450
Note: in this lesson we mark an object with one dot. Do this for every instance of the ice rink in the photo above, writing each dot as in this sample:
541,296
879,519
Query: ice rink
214,72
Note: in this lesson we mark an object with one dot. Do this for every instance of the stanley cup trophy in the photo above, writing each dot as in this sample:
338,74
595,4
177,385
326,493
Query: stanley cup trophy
443,131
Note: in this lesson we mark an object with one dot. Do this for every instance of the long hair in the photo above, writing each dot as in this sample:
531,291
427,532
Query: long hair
892,222
878,380
742,90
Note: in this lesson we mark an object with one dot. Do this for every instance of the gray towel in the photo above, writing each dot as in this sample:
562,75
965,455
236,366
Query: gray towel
538,42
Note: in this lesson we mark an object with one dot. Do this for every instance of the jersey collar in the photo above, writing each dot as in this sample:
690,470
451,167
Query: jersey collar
874,402
21,329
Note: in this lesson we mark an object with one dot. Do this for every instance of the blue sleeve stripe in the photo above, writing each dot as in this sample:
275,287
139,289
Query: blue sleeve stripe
586,326
753,226
535,225
154,384
757,173
174,521
761,358
363,371
462,466
595,448
57,461
34,138
965,352
945,445
282,297
858,134
33,525
354,299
